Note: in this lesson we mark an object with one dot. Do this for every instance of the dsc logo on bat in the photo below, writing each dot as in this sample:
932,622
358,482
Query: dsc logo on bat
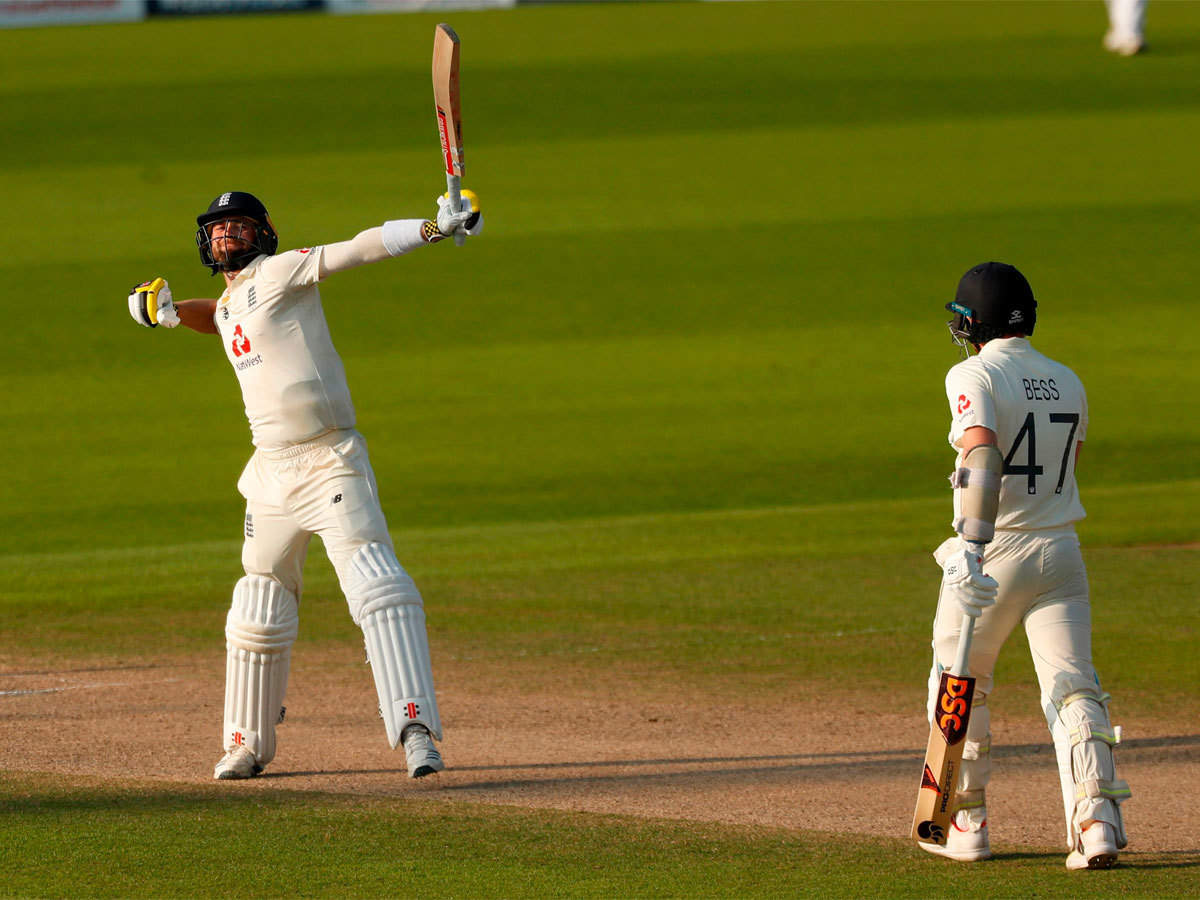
953,703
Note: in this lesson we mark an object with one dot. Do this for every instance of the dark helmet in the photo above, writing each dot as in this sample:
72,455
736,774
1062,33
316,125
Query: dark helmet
236,205
997,300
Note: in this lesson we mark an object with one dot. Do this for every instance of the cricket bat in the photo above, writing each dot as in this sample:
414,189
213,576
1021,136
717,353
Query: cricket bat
449,111
943,756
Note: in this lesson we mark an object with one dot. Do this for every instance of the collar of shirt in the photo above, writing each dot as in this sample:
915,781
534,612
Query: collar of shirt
241,276
999,346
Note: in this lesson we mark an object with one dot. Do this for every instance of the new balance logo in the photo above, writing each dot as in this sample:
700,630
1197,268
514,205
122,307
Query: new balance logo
336,499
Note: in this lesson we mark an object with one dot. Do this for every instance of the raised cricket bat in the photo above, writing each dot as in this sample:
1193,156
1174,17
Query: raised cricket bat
943,756
449,111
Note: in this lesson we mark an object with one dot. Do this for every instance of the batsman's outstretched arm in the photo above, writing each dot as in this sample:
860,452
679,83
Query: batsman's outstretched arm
198,315
399,236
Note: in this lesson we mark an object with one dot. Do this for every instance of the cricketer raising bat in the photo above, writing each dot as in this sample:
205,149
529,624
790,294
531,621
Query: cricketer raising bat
951,712
449,112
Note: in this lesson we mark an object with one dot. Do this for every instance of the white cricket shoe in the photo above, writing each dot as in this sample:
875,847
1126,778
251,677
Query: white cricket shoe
423,757
1096,848
235,764
968,838
1123,44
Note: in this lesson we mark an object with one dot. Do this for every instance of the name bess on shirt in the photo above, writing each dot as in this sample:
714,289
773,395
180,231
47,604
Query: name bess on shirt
1035,389
1040,389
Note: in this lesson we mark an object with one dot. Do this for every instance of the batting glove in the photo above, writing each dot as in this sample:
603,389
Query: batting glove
468,220
963,579
150,304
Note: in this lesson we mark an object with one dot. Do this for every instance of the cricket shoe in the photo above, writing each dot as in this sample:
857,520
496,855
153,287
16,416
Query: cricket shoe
1095,849
968,837
423,757
236,764
1123,44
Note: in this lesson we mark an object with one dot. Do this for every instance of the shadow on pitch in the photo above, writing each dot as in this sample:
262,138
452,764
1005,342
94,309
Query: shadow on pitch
849,764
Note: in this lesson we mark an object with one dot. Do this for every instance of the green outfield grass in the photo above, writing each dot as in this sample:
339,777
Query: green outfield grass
190,842
678,410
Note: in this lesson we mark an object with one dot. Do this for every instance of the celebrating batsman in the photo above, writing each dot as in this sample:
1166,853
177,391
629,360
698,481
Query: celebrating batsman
1018,420
309,473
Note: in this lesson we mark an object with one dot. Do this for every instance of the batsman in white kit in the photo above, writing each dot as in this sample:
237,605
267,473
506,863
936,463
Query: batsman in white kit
309,473
1018,421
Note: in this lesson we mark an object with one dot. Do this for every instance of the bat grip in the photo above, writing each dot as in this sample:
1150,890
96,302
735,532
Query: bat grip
965,634
454,188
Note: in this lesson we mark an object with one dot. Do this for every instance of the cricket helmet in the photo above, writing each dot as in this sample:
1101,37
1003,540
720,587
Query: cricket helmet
236,205
993,299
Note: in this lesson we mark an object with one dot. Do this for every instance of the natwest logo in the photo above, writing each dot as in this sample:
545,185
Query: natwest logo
240,343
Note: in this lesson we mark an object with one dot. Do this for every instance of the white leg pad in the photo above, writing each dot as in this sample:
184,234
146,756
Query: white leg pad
260,629
387,606
1083,743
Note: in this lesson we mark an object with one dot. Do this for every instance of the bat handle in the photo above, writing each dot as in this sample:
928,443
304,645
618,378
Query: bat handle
965,634
454,187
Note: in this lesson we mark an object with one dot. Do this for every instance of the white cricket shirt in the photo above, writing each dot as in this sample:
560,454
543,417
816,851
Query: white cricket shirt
1038,410
276,338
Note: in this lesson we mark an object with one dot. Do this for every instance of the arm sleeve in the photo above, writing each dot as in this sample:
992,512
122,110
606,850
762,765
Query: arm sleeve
365,247
393,238
295,268
1081,431
971,404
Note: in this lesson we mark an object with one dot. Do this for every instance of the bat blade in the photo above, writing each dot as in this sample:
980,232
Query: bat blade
447,98
943,756
447,101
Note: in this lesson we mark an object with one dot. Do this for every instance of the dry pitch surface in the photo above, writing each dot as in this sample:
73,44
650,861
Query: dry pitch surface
808,764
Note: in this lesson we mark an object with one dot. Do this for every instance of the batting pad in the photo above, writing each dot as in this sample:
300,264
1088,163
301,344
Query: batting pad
260,629
387,606
1083,743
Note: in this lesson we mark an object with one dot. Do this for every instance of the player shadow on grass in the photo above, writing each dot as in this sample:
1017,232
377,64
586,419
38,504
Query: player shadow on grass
1130,859
691,770
792,764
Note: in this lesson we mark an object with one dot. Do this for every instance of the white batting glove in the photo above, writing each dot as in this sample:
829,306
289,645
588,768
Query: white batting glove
963,579
468,220
151,304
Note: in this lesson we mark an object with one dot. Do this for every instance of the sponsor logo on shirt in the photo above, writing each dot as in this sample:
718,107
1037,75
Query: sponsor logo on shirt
963,404
240,343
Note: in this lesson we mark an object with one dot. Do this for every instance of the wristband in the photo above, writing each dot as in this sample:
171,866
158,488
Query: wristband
401,235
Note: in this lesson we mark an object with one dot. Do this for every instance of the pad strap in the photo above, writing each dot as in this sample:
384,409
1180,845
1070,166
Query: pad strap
1116,790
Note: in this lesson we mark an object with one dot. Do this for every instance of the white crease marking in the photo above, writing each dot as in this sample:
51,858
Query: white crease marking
83,687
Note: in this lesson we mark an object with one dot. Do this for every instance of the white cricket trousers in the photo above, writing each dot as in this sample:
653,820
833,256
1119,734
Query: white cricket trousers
324,486
1043,583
